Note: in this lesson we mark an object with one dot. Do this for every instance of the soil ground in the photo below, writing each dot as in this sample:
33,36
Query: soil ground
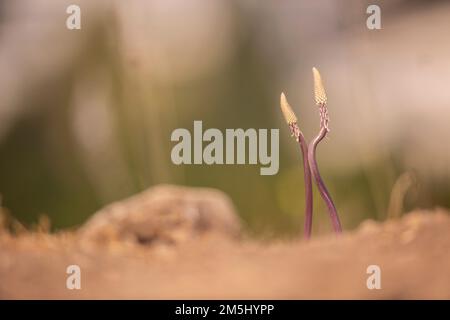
413,253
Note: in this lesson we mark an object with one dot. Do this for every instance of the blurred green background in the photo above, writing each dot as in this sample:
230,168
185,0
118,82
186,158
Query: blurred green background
86,115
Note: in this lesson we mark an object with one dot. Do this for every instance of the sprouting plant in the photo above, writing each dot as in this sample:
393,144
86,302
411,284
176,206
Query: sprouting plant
291,120
321,102
309,154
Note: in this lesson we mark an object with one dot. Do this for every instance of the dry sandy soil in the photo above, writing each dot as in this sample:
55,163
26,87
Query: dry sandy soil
173,242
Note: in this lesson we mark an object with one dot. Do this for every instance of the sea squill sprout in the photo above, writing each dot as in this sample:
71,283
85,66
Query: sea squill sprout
321,101
291,120
309,154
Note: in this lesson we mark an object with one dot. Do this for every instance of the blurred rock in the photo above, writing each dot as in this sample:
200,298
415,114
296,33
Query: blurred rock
164,214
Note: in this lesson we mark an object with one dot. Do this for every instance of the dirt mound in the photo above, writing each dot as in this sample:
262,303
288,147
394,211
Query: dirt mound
185,257
164,213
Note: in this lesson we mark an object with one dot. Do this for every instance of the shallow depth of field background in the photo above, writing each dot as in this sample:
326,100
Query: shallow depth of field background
86,116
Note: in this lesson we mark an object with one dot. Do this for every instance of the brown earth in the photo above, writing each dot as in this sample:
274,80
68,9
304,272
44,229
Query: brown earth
173,242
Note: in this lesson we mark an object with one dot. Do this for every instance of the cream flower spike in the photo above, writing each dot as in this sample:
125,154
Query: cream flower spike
287,111
319,90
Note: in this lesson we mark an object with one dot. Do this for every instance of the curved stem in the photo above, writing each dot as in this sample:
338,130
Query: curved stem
308,187
320,184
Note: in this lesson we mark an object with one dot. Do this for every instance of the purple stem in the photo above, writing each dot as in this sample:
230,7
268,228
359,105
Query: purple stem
320,184
308,186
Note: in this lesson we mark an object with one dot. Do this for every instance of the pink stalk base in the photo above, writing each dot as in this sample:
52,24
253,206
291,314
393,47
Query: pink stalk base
295,131
308,187
320,184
